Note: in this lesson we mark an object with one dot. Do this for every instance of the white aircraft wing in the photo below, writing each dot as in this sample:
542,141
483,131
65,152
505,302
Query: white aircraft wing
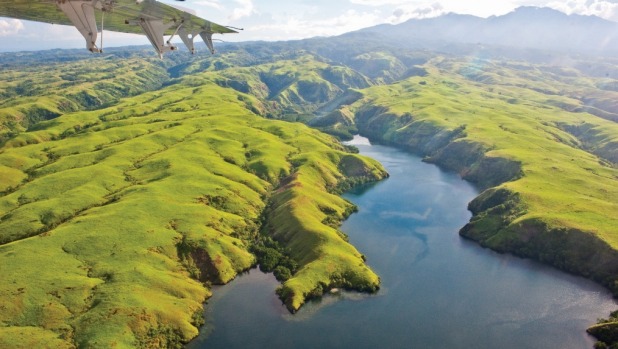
149,17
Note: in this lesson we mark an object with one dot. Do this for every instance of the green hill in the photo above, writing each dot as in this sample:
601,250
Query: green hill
521,132
29,94
114,222
126,195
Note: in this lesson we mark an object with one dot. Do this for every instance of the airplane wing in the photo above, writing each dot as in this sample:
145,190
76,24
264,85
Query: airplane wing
149,17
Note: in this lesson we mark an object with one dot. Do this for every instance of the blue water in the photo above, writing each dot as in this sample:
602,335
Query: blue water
438,290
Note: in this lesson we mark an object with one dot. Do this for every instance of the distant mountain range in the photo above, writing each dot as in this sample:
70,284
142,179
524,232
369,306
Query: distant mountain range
524,28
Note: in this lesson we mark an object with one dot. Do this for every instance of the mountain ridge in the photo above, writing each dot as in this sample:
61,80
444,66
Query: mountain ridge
526,27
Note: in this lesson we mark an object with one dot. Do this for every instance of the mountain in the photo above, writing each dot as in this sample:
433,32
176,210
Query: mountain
524,28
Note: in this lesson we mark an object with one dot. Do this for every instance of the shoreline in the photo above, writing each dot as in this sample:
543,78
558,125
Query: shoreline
592,272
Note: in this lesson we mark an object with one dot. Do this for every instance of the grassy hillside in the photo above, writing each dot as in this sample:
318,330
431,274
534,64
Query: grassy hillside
33,93
116,214
522,132
291,87
114,222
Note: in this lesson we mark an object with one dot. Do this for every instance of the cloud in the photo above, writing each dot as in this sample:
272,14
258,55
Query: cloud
209,3
246,9
299,28
10,27
407,9
403,13
403,10
607,9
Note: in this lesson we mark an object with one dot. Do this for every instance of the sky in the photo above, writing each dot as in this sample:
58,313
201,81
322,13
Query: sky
273,20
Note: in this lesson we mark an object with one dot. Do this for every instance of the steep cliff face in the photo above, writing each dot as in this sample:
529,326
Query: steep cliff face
446,147
474,164
496,224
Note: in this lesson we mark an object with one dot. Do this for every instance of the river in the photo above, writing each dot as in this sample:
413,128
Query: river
438,290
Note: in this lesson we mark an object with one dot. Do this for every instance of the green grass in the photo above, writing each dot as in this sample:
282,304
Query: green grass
299,210
29,94
115,221
297,85
529,123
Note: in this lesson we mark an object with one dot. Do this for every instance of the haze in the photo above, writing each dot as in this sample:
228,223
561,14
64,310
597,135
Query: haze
295,19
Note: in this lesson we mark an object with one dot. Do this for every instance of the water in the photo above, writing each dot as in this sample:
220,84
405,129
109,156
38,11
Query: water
438,290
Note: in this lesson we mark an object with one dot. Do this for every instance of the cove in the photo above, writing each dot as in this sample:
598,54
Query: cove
438,290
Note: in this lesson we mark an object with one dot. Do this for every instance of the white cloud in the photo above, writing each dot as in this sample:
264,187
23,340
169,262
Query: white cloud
246,9
607,9
403,13
10,27
209,3
296,28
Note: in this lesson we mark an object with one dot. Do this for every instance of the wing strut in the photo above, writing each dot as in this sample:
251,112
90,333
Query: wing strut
81,14
187,39
207,37
154,29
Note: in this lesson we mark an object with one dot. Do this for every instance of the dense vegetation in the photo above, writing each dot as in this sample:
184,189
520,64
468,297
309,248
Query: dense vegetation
606,331
126,194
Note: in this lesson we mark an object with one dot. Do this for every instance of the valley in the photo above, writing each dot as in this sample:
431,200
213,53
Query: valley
130,189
